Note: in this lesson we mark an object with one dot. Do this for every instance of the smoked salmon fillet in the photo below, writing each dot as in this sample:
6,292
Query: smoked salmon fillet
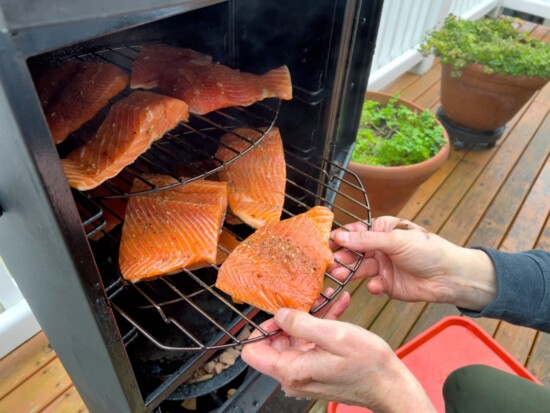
282,264
257,180
171,229
204,85
152,60
76,93
207,88
129,129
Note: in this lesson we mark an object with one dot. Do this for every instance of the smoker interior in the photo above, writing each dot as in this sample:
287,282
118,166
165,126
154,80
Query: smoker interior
172,325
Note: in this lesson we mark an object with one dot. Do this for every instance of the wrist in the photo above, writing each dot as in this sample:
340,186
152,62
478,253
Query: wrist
474,280
403,392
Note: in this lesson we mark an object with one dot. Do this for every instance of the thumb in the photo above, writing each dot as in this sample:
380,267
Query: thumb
364,241
299,324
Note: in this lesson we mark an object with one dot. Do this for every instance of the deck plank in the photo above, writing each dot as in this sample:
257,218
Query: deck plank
68,402
36,393
23,362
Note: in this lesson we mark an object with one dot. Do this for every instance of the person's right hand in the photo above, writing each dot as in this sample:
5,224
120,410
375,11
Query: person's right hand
408,263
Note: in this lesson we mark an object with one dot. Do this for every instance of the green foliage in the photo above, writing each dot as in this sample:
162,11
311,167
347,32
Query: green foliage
497,44
394,135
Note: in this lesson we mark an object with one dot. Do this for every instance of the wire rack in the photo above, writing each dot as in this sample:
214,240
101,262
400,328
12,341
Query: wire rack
161,302
184,311
187,152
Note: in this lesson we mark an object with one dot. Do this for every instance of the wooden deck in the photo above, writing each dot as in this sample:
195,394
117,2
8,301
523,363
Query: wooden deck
498,197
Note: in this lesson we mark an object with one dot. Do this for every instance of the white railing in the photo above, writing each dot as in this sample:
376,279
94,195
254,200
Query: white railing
17,322
402,27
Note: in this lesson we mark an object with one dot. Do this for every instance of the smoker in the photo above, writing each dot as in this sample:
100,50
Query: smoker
133,347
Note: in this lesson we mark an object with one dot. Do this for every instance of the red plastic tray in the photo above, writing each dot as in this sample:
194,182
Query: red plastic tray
449,344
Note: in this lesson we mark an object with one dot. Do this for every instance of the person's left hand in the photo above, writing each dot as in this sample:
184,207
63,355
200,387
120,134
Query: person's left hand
332,360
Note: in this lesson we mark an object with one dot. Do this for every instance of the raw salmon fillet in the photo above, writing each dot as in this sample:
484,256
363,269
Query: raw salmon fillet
171,229
282,264
152,60
206,88
129,129
226,244
76,94
257,180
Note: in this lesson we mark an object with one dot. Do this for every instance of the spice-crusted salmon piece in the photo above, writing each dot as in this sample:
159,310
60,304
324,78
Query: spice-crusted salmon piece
51,78
72,101
207,88
282,264
153,60
257,180
171,229
129,129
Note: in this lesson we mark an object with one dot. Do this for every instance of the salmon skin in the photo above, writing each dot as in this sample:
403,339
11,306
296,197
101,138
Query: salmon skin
282,264
72,93
152,60
129,129
171,229
257,180
204,85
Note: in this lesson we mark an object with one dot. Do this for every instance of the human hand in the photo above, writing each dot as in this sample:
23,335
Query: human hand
332,360
406,262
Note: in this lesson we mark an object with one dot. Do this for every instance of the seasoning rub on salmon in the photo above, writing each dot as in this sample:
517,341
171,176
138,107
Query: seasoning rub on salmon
206,86
282,264
171,229
152,60
129,129
257,180
72,93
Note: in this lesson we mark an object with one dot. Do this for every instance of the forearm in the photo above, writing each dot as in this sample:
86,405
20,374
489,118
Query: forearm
523,294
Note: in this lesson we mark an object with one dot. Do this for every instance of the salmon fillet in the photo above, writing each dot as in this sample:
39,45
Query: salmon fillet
282,264
206,88
226,244
154,59
257,180
129,129
49,79
75,98
171,229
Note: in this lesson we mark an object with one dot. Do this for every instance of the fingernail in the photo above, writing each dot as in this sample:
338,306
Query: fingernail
281,314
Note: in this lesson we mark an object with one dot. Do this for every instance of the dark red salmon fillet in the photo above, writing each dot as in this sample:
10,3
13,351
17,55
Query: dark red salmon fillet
78,97
129,129
206,88
282,264
171,229
153,60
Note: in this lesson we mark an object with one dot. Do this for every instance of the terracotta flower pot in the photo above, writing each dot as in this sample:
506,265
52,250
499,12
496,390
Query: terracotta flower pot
388,188
484,102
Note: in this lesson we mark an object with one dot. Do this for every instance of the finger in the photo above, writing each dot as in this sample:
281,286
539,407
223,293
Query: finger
338,307
299,324
354,227
365,241
368,268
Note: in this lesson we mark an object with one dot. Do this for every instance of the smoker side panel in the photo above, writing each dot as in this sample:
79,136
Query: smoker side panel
44,246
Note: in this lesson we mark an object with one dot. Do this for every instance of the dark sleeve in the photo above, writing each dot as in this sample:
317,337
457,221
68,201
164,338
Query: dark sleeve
523,283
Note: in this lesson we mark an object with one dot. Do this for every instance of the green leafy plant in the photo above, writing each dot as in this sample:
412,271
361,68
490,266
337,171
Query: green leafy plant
394,135
497,44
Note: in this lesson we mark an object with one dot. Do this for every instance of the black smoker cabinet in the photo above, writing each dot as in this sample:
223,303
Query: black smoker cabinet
328,46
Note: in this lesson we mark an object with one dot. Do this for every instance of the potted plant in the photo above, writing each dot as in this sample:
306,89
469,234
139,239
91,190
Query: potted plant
399,145
490,69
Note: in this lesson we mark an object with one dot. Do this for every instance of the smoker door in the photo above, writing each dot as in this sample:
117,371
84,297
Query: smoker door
42,239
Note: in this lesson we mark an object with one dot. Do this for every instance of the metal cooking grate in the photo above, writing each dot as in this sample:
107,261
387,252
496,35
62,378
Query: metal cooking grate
161,301
184,311
191,143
